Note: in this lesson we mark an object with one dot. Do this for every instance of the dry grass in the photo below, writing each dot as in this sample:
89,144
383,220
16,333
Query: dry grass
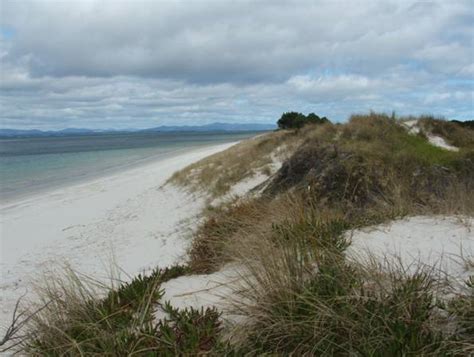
245,220
252,220
209,250
299,296
453,133
217,173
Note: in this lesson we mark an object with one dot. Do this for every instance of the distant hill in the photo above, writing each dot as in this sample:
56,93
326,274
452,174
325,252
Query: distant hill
213,127
15,132
35,132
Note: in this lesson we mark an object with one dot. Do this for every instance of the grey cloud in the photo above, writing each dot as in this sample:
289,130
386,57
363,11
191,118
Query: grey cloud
140,64
221,41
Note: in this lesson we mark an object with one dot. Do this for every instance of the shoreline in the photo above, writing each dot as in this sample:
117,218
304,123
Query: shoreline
108,172
127,219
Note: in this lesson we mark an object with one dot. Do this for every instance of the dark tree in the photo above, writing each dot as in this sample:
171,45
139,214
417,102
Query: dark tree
291,120
313,118
295,120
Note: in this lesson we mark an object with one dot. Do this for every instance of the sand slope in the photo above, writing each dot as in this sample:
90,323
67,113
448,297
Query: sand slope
445,244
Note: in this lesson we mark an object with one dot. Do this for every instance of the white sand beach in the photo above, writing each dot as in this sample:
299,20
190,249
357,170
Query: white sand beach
128,219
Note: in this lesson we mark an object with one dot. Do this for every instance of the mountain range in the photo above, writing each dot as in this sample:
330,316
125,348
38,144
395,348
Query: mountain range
213,127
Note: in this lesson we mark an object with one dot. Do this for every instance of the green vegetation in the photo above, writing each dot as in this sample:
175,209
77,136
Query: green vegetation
78,320
300,293
295,120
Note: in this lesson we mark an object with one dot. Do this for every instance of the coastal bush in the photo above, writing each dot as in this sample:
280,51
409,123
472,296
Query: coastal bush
468,124
295,120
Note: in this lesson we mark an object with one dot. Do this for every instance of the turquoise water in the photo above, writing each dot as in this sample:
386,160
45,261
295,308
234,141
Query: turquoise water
32,165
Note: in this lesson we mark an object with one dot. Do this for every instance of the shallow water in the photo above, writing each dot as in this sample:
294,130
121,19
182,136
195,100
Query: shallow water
37,164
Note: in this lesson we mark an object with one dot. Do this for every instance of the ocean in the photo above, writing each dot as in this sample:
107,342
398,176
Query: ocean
37,164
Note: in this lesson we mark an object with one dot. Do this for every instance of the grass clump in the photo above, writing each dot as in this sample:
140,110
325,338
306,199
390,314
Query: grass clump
462,306
302,297
209,247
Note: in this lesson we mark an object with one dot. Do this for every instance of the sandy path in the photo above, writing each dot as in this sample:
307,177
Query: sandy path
127,217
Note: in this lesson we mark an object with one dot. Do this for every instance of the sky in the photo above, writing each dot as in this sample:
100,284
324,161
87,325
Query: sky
138,64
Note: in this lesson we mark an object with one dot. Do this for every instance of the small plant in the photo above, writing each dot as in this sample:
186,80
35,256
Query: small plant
463,308
188,331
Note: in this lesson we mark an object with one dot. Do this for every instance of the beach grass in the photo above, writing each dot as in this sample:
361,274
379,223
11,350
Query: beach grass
306,300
